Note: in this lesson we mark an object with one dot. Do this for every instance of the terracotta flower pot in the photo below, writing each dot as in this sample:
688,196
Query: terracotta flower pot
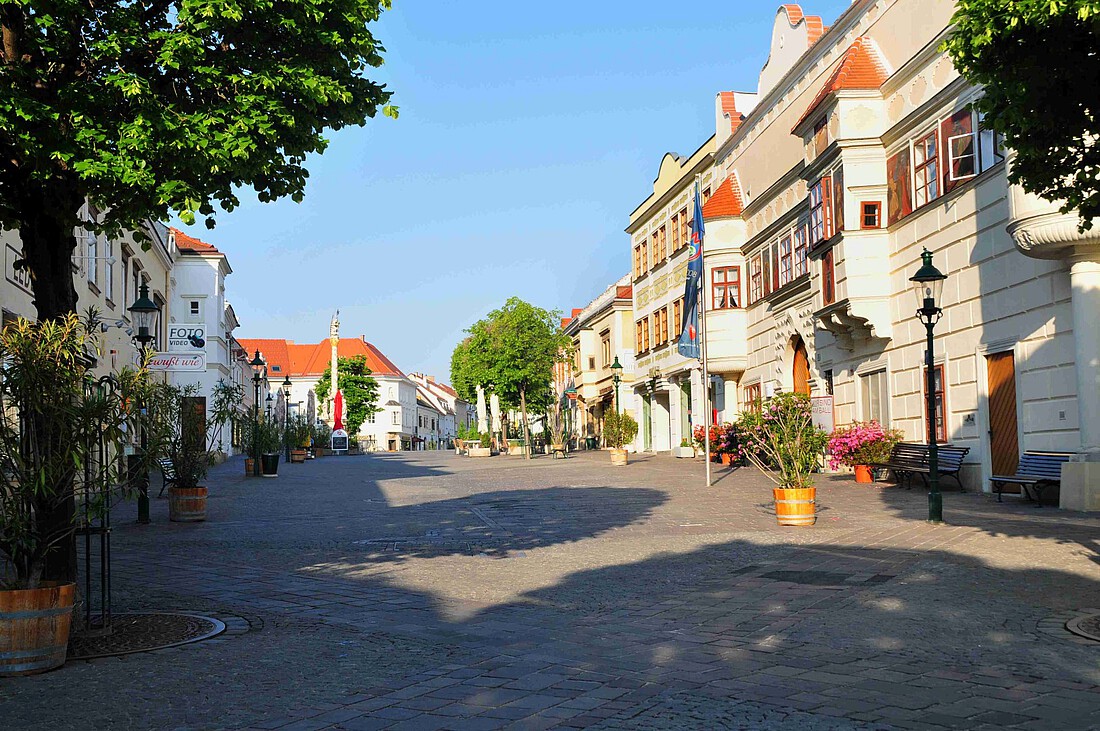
864,474
727,458
34,628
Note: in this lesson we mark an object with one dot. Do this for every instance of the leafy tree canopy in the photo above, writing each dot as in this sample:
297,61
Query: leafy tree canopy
1038,63
153,108
513,349
360,390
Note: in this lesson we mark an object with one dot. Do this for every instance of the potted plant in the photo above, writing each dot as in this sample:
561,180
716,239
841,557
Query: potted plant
322,437
485,450
618,431
861,445
782,441
58,426
685,450
270,440
298,435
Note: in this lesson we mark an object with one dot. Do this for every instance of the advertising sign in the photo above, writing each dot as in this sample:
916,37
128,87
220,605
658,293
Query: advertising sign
339,441
822,412
186,338
178,362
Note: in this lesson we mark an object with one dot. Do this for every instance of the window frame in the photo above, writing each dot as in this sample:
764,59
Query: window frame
91,253
800,244
941,401
645,334
726,286
926,146
884,396
821,210
751,398
678,317
756,281
876,210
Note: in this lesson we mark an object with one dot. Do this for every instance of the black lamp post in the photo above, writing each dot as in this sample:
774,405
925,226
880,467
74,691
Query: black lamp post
286,414
928,285
267,408
616,378
257,364
144,313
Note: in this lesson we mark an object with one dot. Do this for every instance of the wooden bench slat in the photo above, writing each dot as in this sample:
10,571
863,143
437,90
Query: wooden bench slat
1035,469
907,459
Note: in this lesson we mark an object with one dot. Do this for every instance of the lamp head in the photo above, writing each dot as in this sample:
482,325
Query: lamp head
928,287
145,314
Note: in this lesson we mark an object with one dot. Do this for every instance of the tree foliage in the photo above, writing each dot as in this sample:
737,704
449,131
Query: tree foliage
512,351
1038,63
153,108
360,390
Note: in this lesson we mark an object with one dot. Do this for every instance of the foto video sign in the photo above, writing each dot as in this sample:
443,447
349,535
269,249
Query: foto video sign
178,362
185,338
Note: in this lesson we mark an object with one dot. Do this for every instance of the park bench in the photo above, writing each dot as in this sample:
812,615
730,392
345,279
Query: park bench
167,473
556,449
908,459
1036,470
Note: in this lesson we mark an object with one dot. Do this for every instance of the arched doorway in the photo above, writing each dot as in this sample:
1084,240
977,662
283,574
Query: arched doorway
801,368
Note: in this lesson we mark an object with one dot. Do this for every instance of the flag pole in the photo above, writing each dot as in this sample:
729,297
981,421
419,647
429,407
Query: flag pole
703,343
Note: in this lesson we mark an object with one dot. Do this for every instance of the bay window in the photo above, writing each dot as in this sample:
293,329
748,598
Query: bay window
726,288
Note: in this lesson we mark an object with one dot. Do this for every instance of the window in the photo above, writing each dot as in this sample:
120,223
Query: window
870,215
821,211
706,196
786,261
751,398
109,269
756,282
663,314
92,242
685,228
961,147
766,270
991,146
801,258
276,369
926,183
876,398
645,333
821,136
828,378
637,261
677,236
370,418
899,186
660,252
128,297
774,250
941,424
605,348
725,288
396,416
637,336
828,279
837,177
136,278
591,362
678,317
193,308
645,257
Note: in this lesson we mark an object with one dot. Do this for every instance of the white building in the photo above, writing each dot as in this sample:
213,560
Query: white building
454,412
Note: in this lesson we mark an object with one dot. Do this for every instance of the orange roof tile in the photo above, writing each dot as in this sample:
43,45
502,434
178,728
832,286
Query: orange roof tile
565,322
311,360
624,293
729,109
863,67
726,201
814,24
190,243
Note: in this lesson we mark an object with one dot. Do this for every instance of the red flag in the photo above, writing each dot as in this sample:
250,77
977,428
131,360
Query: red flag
338,411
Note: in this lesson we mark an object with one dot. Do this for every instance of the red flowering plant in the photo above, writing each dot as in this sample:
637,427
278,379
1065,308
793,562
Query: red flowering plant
700,434
862,443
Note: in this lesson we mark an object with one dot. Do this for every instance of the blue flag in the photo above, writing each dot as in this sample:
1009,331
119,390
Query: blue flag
689,344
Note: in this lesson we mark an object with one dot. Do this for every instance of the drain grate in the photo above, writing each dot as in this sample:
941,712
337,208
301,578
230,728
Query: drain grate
142,632
825,578
1087,626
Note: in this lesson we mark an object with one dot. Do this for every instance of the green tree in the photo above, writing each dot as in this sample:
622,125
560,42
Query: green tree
153,108
360,390
1038,65
512,350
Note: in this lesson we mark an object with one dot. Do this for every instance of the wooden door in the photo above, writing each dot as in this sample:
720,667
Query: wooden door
1004,446
801,369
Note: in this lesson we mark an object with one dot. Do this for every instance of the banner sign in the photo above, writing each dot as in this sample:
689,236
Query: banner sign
339,441
178,362
186,338
821,409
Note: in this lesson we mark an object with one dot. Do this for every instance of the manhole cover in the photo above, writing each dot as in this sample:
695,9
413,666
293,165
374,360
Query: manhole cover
1086,626
141,632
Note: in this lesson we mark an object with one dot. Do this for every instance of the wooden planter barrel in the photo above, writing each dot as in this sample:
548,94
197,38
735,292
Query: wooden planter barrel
34,629
298,455
187,504
618,457
249,466
795,506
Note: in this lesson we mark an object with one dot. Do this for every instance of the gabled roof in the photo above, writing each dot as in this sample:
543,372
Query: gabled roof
863,67
726,201
311,360
189,244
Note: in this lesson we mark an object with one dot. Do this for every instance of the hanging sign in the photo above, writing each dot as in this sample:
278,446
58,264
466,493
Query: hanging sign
821,410
178,362
186,338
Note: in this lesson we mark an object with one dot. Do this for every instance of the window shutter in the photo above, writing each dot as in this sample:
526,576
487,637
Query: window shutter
775,266
827,206
960,147
899,186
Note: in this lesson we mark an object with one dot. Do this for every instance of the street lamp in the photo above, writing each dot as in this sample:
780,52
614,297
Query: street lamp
616,378
267,408
144,313
286,414
257,364
928,286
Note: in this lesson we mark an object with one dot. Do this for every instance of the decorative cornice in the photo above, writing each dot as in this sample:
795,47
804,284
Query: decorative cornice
1051,236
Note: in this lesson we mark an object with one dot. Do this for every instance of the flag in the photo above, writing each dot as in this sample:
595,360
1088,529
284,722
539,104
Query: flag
689,343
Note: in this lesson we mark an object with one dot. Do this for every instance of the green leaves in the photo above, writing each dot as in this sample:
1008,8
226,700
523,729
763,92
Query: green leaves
1037,62
359,388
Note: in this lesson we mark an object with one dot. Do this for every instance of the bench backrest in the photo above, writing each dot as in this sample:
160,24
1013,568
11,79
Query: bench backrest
949,458
166,467
1042,464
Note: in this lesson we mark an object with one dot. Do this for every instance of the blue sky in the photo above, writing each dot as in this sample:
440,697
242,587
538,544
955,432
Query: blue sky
528,133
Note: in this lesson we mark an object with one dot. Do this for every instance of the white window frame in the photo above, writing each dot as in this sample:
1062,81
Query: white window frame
108,269
91,249
952,158
931,188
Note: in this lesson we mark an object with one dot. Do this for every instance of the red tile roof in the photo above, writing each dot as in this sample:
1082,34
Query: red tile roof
814,25
726,201
863,67
624,293
190,243
311,360
729,109
565,322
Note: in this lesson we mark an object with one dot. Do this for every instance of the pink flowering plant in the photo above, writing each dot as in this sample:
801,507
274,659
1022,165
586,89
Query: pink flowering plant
861,443
782,437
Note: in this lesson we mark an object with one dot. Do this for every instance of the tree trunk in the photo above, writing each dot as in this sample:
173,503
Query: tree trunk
50,214
526,425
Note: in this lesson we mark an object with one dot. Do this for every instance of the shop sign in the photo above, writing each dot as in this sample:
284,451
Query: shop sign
178,362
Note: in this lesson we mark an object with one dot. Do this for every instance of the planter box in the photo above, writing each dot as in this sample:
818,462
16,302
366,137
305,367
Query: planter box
480,452
684,452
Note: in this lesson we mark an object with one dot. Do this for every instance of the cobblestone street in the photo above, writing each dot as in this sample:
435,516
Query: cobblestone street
429,591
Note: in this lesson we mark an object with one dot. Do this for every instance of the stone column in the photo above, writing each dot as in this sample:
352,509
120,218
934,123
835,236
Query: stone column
1080,488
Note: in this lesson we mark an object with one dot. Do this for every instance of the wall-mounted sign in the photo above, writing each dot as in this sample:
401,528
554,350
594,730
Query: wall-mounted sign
821,410
339,441
178,362
186,338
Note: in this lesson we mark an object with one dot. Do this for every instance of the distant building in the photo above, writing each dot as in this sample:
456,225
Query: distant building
455,413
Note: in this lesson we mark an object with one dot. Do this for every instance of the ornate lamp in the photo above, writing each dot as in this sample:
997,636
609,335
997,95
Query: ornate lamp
928,286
